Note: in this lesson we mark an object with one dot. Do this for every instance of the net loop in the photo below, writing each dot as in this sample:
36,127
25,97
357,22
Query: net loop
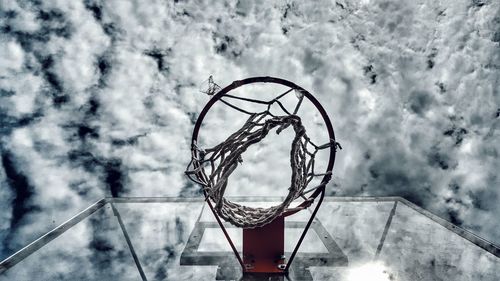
224,158
209,87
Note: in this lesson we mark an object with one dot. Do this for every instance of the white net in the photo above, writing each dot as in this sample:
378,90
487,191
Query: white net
211,167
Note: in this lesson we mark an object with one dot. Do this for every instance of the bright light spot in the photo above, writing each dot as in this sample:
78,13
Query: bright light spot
369,272
367,98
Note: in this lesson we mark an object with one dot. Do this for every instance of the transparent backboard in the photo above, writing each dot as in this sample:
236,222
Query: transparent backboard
178,239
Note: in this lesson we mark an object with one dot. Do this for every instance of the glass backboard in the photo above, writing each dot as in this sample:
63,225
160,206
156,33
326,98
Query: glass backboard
352,238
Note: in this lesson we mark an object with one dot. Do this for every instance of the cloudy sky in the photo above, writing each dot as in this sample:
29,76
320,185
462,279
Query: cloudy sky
98,98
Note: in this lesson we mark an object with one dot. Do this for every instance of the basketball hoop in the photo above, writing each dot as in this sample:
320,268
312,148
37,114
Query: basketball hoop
211,168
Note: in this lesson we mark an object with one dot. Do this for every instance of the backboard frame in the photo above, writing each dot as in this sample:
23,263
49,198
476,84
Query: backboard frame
26,251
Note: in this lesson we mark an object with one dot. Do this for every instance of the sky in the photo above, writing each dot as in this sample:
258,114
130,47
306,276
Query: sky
99,98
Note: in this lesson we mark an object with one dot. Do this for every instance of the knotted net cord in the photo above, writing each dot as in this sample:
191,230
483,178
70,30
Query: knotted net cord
211,87
222,159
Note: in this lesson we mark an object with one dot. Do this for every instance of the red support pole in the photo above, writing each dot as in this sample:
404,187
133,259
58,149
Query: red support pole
264,248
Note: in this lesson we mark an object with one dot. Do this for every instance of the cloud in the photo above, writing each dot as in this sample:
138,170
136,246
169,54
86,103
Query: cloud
99,98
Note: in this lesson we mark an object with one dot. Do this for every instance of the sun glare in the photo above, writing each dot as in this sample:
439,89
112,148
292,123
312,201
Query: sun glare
375,271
